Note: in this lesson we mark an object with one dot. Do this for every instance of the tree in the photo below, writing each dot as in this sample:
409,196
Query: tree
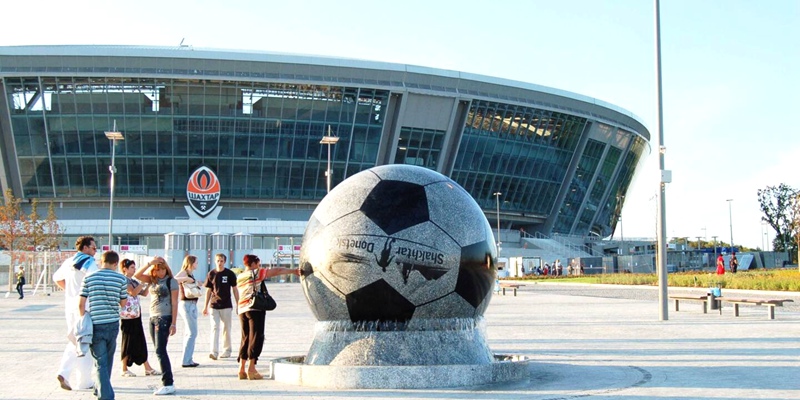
780,207
12,230
34,228
53,230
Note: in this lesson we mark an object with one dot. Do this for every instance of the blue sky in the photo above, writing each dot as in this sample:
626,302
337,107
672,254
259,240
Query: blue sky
731,72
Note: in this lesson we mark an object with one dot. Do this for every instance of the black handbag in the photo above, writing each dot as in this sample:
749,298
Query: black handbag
262,301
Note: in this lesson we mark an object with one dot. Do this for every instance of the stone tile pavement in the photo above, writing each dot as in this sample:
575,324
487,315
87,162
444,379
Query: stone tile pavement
581,347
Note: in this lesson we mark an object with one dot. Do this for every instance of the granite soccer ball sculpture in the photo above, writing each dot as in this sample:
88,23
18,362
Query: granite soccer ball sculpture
398,244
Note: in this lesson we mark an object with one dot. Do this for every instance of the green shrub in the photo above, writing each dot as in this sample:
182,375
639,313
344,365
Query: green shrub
773,279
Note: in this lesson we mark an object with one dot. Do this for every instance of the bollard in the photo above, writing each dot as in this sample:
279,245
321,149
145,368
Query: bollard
713,293
712,301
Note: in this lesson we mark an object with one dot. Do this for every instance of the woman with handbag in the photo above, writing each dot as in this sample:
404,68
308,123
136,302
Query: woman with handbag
252,311
134,344
190,291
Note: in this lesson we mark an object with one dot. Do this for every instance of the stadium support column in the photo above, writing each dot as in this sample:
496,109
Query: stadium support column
113,136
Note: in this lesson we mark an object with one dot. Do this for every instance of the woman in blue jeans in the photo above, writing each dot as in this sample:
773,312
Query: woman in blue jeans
188,309
163,314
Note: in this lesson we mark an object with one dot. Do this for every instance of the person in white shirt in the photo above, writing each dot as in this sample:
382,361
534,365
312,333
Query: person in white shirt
69,278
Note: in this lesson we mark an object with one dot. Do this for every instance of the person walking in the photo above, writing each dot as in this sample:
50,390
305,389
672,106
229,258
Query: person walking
249,282
188,308
220,283
163,314
69,277
21,281
734,263
106,291
720,265
133,344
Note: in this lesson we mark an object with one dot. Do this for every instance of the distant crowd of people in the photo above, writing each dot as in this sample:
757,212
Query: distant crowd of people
574,268
102,300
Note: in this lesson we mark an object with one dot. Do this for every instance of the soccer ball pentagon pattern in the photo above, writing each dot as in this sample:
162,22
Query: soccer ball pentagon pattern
398,243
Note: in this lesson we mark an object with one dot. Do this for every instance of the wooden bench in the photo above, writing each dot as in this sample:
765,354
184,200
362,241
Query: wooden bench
770,304
702,299
514,286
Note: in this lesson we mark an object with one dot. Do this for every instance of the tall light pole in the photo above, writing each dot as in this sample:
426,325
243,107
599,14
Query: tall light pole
113,136
620,202
497,200
277,252
715,250
666,177
730,218
329,140
698,242
796,209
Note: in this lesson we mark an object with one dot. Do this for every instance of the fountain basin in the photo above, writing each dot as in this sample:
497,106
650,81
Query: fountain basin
293,370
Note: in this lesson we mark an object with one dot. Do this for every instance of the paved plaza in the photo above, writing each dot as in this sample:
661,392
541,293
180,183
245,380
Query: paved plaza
585,341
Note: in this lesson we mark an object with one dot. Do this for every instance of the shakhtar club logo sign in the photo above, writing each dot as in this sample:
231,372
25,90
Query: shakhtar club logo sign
203,191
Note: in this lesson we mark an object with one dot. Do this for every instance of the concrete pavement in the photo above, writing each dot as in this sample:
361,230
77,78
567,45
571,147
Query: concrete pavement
581,346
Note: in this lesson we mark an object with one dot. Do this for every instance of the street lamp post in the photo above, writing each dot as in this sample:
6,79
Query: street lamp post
797,235
113,136
277,252
666,177
730,218
715,251
497,200
329,140
291,260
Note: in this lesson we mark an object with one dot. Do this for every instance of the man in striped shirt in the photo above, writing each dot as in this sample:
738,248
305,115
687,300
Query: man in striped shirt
106,291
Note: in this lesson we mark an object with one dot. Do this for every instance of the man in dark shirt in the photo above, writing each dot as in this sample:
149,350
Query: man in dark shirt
219,285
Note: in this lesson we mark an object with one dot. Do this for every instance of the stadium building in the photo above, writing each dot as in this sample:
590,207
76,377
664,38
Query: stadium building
223,148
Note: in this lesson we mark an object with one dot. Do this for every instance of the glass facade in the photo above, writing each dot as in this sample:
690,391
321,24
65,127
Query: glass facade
579,187
608,214
421,147
522,152
261,139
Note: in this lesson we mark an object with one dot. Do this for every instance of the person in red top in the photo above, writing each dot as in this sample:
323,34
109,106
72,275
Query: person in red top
720,265
252,320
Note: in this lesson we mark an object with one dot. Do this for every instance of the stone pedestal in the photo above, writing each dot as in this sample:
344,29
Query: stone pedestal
504,369
430,342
